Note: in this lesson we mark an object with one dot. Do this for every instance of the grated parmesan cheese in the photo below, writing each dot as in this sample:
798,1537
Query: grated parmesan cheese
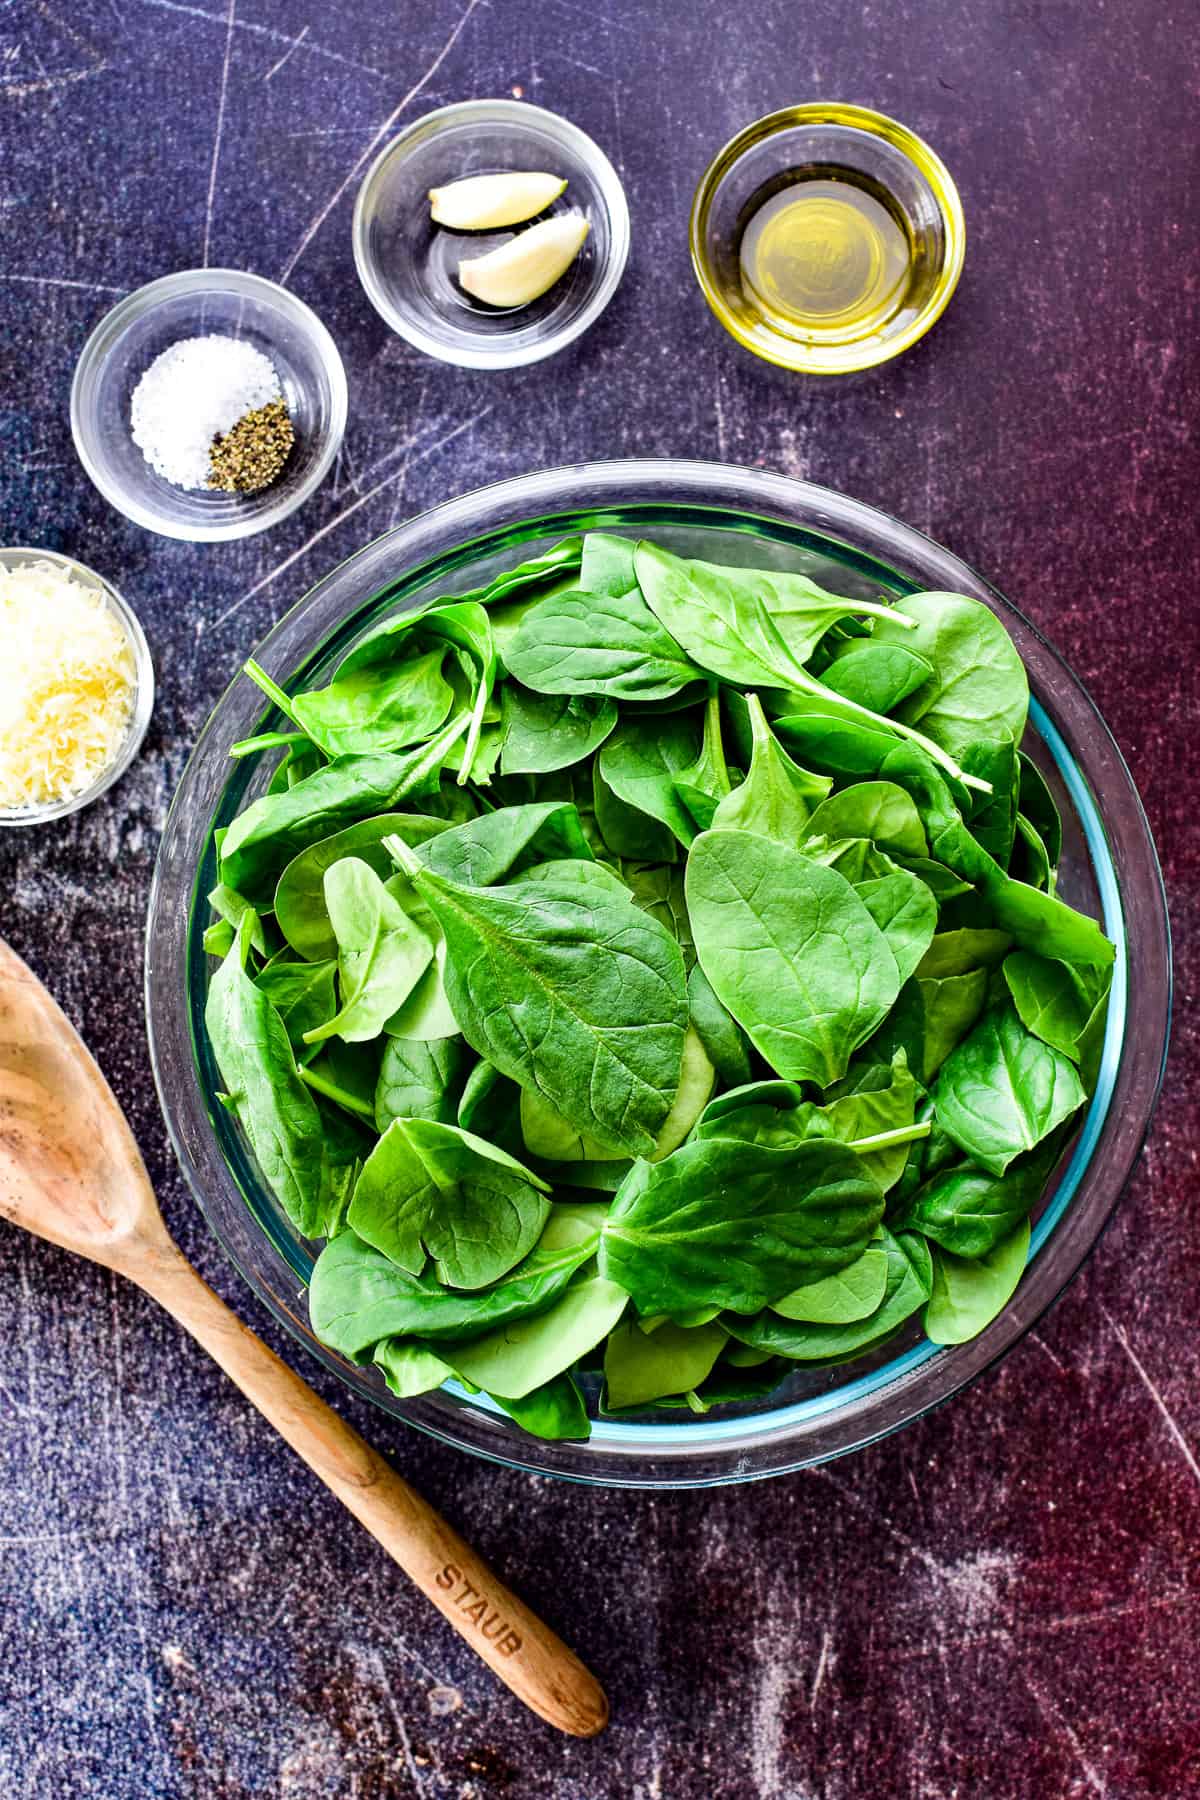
67,679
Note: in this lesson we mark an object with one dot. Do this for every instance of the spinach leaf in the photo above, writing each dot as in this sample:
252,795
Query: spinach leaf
968,1212
958,952
501,844
951,1005
420,1081
274,829
1003,1090
371,709
555,1410
877,676
577,643
641,763
853,1293
978,688
543,732
724,1041
300,908
1038,805
706,783
606,566
582,997
520,1357
263,1087
490,1107
409,1369
381,953
721,1223
791,951
549,565
1054,1001
641,1366
909,1284
906,913
968,1294
777,797
879,810
430,1187
658,889
230,906
628,833
304,995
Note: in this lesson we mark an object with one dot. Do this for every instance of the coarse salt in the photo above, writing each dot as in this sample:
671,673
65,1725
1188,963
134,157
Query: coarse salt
195,391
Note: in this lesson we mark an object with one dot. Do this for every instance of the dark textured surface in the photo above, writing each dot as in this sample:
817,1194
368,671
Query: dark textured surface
1000,1603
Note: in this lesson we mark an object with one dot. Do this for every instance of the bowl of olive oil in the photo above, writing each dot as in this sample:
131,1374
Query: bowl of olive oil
827,238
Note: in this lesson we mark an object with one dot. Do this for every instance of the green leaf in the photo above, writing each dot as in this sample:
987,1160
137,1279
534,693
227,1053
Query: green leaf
906,913
514,1361
967,1295
951,1004
879,810
543,732
264,1090
304,995
588,643
409,1369
640,764
968,1211
877,676
642,1366
1003,1090
554,1410
577,994
721,1223
979,688
626,832
381,953
420,1081
958,952
264,839
430,1187
230,906
909,1283
777,797
377,707
791,950
501,844
724,1041
300,908
1053,1000
853,1293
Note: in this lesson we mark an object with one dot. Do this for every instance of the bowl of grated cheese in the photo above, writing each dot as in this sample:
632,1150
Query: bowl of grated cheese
77,690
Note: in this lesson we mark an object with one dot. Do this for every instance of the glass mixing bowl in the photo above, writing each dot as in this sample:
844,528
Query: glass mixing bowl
745,516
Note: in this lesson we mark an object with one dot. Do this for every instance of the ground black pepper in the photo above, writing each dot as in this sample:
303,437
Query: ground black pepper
252,453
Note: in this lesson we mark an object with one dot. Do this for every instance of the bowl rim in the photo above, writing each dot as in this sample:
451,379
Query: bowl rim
770,1443
870,123
107,334
522,111
19,555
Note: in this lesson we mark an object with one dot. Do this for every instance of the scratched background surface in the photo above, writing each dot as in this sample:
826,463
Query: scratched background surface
1001,1603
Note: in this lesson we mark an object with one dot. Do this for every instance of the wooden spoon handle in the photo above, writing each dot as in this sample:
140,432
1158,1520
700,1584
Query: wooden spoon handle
523,1652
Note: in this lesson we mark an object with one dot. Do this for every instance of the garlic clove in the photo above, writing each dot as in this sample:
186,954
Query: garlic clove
480,202
527,265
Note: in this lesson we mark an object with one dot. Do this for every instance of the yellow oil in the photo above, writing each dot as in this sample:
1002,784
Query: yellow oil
824,258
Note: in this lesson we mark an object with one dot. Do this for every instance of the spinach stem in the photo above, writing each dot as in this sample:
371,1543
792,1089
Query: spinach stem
884,1140
341,1096
270,688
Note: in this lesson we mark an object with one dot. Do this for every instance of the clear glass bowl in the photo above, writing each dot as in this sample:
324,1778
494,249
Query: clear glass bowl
143,695
730,515
766,157
202,303
409,266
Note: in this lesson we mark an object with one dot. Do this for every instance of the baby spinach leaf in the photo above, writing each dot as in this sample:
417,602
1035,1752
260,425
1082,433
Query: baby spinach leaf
300,908
878,810
490,1107
264,1090
641,763
501,844
906,913
791,950
381,953
274,829
555,1410
978,688
549,565
909,1283
304,995
347,1075
588,643
951,1005
551,1138
626,832
641,1366
721,1223
777,797
958,952
579,995
724,1041
1054,1001
606,566
705,784
420,1081
230,906
430,1187
658,889
519,1357
968,1211
219,938
1038,805
358,1296
409,1369
1003,1090
850,1294
551,731
372,708
877,676
967,1295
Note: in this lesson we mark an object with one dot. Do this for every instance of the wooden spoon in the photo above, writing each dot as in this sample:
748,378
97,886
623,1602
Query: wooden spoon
70,1171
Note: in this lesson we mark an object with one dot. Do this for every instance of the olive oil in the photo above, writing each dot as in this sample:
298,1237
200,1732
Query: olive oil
825,257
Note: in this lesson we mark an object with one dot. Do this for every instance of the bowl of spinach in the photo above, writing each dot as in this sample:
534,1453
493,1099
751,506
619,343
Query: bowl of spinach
657,973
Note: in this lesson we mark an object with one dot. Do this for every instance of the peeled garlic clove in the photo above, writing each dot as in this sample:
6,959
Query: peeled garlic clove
527,265
482,201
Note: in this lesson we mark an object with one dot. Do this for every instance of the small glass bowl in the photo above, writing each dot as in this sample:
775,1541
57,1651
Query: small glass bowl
409,266
203,303
143,693
773,154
